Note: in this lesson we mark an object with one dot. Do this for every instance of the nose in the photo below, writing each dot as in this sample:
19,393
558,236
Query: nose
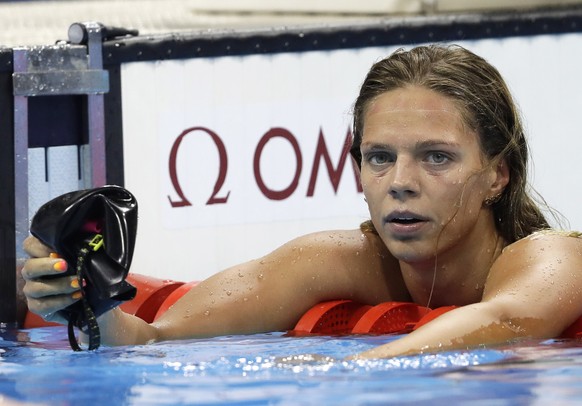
404,180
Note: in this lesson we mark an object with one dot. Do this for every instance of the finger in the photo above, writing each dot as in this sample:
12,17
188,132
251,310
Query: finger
35,248
48,308
37,267
42,288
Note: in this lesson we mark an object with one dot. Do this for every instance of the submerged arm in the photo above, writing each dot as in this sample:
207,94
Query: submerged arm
534,290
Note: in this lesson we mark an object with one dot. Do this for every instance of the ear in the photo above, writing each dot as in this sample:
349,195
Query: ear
499,177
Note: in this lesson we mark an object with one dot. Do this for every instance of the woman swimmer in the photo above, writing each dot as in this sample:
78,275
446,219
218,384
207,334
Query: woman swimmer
443,162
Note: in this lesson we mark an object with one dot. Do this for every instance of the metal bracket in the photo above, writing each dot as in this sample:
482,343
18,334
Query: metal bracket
93,34
57,70
64,69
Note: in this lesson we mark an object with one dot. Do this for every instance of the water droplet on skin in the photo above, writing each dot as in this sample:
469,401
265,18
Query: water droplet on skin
207,313
228,293
246,299
261,276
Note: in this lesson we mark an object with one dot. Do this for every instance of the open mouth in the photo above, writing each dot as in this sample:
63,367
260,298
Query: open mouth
405,220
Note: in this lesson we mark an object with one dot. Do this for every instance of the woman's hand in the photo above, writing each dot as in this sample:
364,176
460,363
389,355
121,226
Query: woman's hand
46,296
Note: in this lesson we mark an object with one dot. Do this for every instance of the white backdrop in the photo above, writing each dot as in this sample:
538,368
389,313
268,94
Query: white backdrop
245,134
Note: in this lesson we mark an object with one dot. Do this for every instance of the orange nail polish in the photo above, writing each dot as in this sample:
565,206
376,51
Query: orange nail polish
54,255
60,266
77,295
75,284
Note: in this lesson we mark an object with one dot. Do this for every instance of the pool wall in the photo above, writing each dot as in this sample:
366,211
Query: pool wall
235,141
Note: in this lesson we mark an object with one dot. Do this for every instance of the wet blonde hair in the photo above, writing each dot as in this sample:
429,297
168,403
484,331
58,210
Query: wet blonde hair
486,107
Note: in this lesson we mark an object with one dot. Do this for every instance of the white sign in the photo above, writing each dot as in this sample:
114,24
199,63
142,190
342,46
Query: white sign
231,157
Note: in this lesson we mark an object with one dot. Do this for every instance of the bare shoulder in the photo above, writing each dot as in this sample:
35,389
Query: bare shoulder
347,263
350,242
550,249
548,245
540,276
349,249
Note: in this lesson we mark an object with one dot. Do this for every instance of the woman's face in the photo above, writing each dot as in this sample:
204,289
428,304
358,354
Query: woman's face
423,174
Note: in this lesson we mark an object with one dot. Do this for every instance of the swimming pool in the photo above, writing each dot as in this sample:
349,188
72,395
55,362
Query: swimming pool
38,366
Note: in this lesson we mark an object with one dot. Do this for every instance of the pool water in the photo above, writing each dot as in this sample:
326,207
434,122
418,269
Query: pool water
37,366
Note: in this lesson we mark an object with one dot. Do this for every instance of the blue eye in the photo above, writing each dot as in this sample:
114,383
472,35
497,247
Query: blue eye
378,158
437,158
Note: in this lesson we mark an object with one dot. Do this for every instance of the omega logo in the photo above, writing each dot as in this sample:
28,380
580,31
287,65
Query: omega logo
219,197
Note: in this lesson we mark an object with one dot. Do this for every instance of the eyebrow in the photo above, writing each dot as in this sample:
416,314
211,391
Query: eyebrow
419,145
433,143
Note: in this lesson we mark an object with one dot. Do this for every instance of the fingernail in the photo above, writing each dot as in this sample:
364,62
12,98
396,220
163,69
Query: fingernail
75,284
60,266
77,295
54,255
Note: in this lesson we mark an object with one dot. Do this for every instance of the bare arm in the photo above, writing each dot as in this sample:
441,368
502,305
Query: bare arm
267,294
273,292
534,289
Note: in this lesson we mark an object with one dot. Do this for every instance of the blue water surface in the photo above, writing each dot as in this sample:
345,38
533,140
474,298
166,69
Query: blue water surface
37,366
